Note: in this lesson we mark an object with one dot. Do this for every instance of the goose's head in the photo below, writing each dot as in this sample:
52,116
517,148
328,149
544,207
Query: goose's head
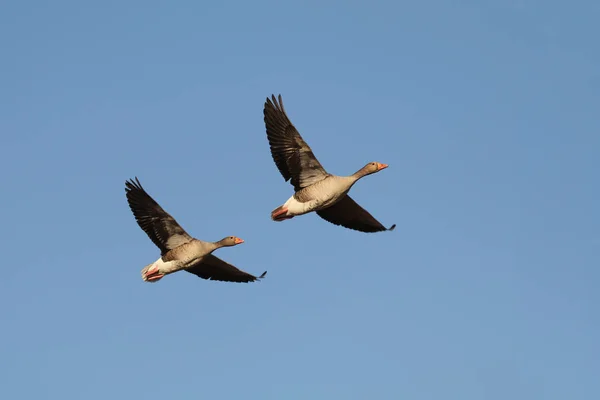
370,168
231,241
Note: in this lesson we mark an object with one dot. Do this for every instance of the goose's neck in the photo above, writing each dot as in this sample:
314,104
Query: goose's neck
358,174
212,246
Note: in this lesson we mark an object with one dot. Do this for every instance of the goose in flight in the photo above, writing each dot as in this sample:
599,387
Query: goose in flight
178,250
315,189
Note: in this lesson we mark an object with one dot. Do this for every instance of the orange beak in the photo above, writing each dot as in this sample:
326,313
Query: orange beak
381,166
237,240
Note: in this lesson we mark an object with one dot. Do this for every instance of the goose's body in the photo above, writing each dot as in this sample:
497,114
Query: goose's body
319,195
179,251
181,257
315,189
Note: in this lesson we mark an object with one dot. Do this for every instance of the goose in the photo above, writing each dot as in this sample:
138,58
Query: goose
315,189
178,250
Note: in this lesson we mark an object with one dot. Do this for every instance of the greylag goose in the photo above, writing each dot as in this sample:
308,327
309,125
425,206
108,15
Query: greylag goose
315,189
178,250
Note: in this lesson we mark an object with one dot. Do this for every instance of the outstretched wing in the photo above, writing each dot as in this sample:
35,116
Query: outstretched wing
293,157
160,227
349,214
213,268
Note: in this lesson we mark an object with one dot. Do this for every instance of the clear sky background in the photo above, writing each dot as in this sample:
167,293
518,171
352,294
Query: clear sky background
486,112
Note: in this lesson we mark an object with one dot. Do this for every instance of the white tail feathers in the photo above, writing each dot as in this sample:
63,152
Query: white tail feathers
145,270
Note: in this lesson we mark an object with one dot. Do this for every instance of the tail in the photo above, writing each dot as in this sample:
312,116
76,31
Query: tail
144,271
280,214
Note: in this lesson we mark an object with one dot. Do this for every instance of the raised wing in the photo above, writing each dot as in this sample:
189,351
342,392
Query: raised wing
215,269
349,214
160,227
293,157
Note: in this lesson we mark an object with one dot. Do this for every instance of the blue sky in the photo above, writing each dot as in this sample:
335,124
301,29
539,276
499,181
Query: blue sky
485,111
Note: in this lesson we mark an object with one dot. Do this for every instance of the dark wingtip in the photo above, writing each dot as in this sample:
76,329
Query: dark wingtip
131,184
128,184
391,228
262,275
273,101
269,103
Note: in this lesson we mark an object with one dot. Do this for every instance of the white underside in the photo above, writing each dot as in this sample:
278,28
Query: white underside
327,199
294,207
163,267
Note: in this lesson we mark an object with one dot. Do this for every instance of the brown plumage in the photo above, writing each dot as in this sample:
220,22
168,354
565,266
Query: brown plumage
293,157
178,249
315,188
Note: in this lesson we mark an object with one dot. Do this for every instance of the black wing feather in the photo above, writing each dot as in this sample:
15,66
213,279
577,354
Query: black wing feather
292,155
349,214
159,225
213,268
